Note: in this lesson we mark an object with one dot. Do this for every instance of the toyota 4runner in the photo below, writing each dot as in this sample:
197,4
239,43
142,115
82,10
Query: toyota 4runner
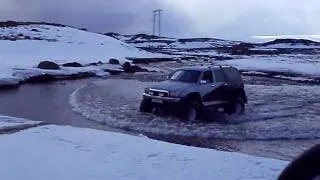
188,91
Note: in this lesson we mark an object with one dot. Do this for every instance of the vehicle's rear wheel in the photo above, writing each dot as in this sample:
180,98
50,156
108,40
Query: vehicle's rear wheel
238,107
146,106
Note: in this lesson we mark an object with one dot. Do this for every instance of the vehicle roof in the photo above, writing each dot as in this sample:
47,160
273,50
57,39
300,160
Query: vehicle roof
200,68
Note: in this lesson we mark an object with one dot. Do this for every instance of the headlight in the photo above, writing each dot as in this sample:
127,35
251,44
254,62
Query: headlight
147,90
173,93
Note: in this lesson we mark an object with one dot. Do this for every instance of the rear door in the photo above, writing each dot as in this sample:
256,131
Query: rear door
220,94
233,83
215,90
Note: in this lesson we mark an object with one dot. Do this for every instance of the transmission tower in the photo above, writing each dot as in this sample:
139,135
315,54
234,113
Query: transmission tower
156,21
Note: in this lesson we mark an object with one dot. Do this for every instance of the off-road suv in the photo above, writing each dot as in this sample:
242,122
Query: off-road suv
188,91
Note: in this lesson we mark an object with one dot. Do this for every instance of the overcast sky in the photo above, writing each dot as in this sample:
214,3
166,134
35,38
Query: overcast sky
232,19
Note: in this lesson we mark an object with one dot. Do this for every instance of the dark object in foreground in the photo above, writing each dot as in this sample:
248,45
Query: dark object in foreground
188,91
305,167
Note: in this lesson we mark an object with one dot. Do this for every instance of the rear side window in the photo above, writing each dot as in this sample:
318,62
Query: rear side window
218,75
233,75
207,77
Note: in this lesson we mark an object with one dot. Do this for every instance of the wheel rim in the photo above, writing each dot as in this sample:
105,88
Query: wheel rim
238,108
192,114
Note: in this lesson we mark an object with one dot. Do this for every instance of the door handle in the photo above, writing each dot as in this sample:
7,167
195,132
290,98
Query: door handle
213,85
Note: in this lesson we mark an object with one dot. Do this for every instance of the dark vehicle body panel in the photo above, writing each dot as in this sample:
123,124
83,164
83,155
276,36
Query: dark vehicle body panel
217,86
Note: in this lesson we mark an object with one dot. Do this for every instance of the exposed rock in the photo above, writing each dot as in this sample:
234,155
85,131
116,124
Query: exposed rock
48,65
114,61
292,42
15,23
96,64
35,30
40,79
126,67
195,40
27,37
144,36
220,58
44,78
73,64
113,35
150,60
113,72
179,61
136,68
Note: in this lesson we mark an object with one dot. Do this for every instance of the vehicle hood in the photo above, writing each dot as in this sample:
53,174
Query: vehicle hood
173,86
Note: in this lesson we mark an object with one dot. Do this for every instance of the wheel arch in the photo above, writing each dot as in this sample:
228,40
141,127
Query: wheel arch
193,96
242,94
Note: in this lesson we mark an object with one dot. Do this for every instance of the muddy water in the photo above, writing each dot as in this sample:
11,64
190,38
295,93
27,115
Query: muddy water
281,121
46,102
50,103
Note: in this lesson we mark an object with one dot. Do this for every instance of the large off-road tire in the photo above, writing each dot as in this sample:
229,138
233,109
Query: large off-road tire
191,111
146,106
236,108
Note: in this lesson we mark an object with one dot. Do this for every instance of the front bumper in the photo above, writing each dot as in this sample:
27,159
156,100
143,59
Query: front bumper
164,99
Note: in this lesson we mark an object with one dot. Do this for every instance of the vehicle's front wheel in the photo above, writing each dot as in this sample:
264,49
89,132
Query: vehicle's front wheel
146,106
191,111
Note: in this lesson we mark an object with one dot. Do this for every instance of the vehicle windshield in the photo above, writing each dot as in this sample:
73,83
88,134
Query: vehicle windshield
188,76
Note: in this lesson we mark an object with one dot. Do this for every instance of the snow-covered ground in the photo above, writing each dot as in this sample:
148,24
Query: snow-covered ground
304,65
24,46
64,152
10,123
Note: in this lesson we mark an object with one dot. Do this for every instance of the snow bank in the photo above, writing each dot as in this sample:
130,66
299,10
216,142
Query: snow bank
10,122
61,152
305,65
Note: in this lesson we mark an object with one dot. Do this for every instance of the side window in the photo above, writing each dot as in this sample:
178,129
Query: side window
207,77
218,75
233,75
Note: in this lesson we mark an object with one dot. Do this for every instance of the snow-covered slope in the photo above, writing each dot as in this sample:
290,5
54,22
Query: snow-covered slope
24,45
192,47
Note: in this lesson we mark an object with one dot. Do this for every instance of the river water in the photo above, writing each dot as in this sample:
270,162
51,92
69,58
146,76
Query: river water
102,104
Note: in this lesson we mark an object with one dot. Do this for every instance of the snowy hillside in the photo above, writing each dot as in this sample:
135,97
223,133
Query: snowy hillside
27,45
291,59
24,45
184,48
211,47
